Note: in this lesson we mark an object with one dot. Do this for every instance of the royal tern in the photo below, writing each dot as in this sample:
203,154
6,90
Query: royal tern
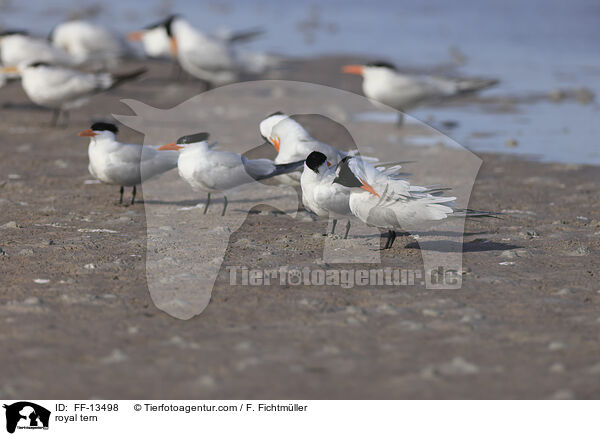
89,44
63,89
386,202
208,58
209,170
293,142
115,163
320,195
382,83
17,48
156,40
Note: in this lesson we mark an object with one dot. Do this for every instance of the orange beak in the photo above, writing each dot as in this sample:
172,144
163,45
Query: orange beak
368,187
328,163
353,69
173,46
9,70
135,36
88,132
276,142
171,146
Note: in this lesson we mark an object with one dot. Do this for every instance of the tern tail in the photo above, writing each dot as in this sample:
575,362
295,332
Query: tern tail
473,85
472,213
244,36
119,79
284,168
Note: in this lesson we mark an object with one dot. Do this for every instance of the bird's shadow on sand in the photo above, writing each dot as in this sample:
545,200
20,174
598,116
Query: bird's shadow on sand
456,247
213,201
450,234
24,106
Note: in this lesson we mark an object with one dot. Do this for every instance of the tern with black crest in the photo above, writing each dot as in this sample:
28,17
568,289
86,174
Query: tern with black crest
208,170
293,142
386,202
116,163
211,59
17,47
320,195
89,44
64,89
383,83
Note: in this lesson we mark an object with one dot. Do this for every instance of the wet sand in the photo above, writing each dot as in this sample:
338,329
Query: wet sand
524,325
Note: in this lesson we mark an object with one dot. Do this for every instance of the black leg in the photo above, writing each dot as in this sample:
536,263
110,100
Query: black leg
55,117
347,229
133,195
121,197
393,238
224,205
400,120
207,203
391,235
333,226
176,71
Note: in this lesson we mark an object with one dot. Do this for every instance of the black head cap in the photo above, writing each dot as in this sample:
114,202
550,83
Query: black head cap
345,176
165,22
168,23
275,113
315,160
14,32
192,139
381,64
38,64
105,126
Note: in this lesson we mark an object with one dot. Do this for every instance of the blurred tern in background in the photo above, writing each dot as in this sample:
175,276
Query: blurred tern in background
155,40
208,58
384,84
89,44
208,170
63,89
115,163
17,47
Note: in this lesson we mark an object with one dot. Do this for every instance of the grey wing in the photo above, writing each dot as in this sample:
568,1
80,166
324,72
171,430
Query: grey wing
258,168
154,162
210,55
68,84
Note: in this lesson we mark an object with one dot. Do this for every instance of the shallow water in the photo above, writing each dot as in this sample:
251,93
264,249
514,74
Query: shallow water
534,46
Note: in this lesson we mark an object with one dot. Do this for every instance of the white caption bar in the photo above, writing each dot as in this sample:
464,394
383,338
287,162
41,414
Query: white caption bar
299,417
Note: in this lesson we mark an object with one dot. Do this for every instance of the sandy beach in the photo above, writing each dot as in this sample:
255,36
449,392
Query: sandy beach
78,321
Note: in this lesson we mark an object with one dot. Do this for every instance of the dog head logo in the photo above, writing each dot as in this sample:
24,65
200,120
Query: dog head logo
26,415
